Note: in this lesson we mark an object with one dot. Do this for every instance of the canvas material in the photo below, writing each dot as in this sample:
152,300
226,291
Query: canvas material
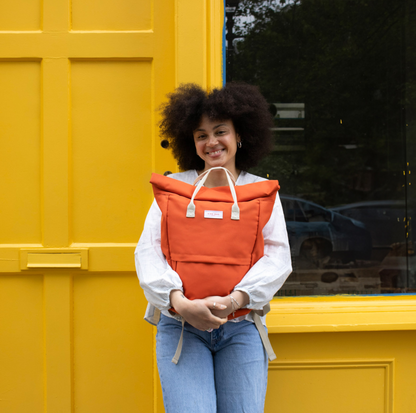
211,256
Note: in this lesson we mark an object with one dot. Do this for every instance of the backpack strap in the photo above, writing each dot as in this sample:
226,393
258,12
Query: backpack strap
179,348
264,337
263,311
259,325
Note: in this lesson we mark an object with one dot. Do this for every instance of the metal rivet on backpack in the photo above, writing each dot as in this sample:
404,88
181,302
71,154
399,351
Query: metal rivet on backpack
167,173
164,144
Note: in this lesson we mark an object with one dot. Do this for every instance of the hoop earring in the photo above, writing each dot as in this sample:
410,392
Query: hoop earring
239,145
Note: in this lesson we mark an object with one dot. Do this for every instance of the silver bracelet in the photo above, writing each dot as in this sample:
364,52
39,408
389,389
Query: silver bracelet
233,300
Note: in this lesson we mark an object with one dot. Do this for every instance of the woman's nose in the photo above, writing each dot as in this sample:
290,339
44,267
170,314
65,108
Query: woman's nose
212,140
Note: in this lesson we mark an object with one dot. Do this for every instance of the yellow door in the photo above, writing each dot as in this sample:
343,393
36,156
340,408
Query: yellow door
80,82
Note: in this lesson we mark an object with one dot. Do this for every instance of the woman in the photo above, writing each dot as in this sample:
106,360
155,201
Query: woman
223,366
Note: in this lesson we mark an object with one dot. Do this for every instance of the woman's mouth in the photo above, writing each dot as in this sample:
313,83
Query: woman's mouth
215,153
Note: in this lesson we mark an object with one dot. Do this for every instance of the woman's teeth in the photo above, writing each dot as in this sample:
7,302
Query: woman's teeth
215,153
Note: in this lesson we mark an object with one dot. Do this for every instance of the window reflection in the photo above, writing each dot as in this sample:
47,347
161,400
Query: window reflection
340,79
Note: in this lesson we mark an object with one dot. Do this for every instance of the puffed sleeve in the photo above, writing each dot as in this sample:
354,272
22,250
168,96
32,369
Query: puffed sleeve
269,273
156,276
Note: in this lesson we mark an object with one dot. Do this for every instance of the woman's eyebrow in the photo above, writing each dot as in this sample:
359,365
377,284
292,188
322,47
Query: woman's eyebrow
215,127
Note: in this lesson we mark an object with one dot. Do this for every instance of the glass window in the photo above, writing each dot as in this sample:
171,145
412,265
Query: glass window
340,79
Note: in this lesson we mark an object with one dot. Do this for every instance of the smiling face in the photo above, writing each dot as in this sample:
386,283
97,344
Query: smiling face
216,143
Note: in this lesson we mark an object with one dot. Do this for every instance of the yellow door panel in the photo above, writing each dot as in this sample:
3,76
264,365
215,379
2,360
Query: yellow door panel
112,345
21,342
321,386
110,130
20,152
111,15
17,15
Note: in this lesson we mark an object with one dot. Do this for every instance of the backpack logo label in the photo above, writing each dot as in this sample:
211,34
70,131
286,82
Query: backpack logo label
213,214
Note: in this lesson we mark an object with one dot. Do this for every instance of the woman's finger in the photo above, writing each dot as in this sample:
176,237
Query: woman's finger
222,320
217,322
217,306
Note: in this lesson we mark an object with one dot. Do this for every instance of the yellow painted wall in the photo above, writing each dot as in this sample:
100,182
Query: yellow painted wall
80,82
343,354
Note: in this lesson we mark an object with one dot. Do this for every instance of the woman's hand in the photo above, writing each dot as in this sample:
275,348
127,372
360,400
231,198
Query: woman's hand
220,306
197,312
239,296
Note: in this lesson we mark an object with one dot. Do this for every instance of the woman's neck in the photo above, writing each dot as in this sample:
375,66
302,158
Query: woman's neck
218,178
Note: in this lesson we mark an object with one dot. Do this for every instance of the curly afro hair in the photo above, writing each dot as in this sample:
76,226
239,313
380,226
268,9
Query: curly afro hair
241,103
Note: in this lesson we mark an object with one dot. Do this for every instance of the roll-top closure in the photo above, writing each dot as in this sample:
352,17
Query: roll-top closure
244,192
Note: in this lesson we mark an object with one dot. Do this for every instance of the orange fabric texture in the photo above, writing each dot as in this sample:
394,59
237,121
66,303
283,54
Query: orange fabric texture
210,255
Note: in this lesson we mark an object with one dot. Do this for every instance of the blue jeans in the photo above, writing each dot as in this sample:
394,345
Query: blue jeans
224,371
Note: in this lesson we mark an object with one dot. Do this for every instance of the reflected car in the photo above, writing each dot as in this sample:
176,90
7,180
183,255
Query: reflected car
386,220
316,233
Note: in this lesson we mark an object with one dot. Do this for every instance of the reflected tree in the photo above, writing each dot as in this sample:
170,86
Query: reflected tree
345,60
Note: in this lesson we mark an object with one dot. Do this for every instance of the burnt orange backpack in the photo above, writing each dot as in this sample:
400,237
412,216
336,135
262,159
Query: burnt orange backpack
212,236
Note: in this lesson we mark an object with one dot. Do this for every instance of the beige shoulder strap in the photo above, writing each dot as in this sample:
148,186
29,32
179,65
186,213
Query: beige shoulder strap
179,348
264,337
259,325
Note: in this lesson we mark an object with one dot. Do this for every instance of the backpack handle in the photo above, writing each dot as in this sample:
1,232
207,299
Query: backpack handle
235,210
204,173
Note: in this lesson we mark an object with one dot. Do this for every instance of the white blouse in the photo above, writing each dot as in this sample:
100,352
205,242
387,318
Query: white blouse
260,283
